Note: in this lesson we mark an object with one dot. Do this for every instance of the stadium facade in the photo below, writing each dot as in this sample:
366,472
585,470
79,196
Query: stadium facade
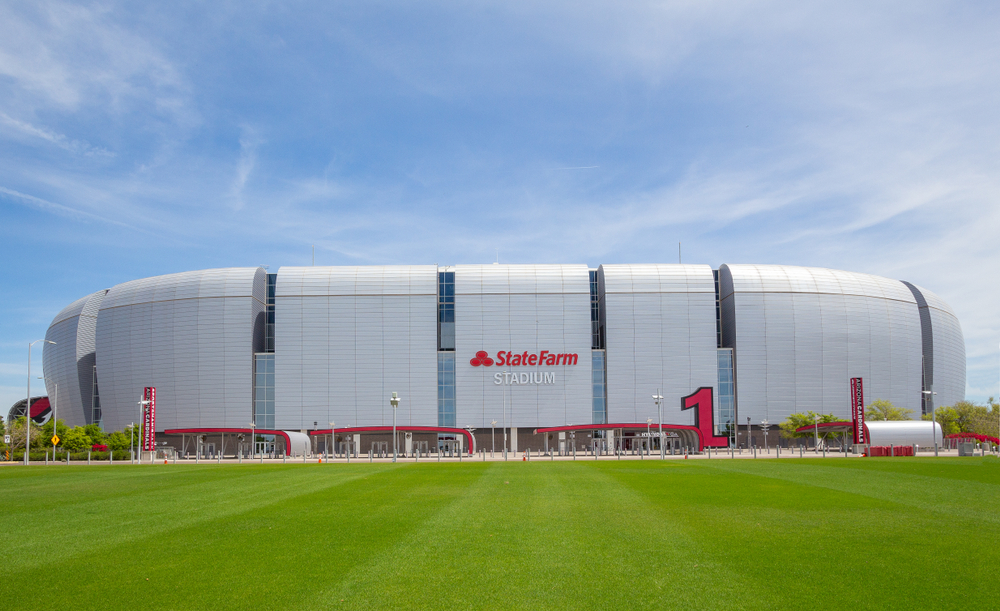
530,346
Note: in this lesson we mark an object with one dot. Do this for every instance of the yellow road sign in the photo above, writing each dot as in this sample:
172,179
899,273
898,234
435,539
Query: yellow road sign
55,440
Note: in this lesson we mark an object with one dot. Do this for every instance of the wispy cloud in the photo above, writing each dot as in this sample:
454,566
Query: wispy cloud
73,146
248,159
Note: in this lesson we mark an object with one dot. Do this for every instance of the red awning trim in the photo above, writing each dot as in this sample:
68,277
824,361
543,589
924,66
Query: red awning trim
350,430
626,425
288,442
840,425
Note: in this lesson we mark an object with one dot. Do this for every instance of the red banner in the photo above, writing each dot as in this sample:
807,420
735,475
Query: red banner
149,419
858,410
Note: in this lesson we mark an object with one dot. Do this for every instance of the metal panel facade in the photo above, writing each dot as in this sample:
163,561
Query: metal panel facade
943,348
347,337
800,335
523,308
191,335
69,365
660,333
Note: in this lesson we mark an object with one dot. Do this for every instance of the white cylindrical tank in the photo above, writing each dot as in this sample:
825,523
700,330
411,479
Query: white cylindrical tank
903,432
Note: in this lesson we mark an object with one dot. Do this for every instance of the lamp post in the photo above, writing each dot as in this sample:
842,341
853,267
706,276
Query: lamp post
394,401
27,405
142,412
658,400
333,438
55,414
930,398
493,439
816,430
503,411
649,439
749,438
131,442
253,439
764,426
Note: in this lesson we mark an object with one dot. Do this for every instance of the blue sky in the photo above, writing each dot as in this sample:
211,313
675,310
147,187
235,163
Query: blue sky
139,139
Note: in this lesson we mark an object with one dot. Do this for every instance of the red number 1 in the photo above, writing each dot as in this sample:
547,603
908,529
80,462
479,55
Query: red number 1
704,418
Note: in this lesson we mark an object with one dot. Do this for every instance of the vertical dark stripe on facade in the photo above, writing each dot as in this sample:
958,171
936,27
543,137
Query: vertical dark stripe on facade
927,343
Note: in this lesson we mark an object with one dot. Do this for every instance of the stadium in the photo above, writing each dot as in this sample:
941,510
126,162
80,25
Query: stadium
494,356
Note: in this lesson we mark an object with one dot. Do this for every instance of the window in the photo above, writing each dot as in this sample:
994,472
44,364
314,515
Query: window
446,310
726,416
596,334
272,280
446,389
263,387
599,383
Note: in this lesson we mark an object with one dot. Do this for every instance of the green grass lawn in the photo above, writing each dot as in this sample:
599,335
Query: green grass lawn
701,534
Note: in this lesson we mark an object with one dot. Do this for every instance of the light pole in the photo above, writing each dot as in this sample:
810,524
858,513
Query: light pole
333,438
394,401
55,414
27,406
764,426
658,400
131,440
142,412
749,438
253,439
503,411
930,398
649,440
815,430
493,439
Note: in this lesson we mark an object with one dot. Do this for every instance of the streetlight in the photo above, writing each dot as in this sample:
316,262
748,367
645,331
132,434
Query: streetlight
394,401
333,438
55,413
27,406
649,440
253,439
142,412
658,400
764,426
930,398
493,438
816,431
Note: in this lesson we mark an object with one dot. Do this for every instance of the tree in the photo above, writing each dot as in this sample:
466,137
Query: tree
47,429
95,433
16,432
76,439
967,417
880,409
798,420
117,441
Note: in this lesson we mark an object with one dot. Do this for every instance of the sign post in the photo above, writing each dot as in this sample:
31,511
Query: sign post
149,419
858,411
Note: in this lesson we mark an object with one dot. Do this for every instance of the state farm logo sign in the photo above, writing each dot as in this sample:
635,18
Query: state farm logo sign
482,359
510,359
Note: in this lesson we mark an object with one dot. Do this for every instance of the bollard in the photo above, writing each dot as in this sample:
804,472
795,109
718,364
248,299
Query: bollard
111,457
46,458
824,450
67,457
88,458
